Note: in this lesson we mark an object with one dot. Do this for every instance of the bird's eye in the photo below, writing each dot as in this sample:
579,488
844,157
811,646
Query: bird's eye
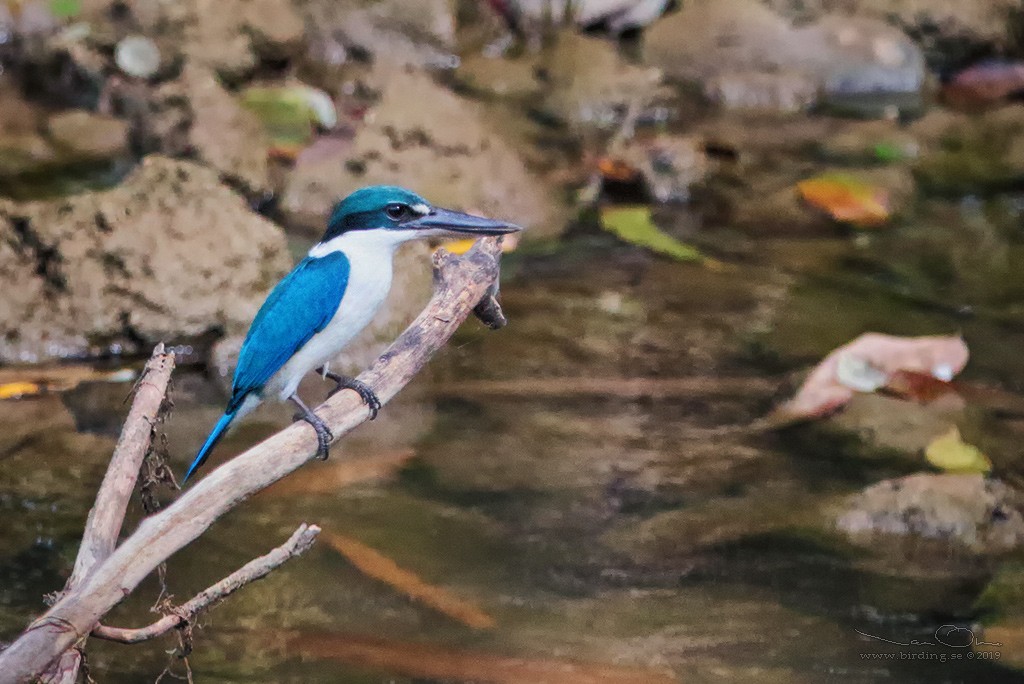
396,212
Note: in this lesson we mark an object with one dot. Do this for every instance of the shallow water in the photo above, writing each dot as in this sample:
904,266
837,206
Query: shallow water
595,530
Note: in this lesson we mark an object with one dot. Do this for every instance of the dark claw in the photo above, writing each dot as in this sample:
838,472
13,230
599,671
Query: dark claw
364,391
324,436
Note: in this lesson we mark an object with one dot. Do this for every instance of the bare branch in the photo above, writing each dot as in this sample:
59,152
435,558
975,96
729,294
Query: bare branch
459,284
107,514
258,568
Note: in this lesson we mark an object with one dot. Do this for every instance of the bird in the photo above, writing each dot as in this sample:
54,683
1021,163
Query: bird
331,295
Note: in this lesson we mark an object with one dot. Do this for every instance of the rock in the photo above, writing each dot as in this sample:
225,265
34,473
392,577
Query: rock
500,77
401,33
863,56
981,515
88,135
743,54
442,148
229,36
171,253
589,85
277,28
783,92
213,39
24,154
707,38
222,132
669,164
137,56
971,154
949,31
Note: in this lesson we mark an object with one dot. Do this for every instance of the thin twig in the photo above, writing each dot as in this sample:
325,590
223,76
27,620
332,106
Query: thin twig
300,542
460,283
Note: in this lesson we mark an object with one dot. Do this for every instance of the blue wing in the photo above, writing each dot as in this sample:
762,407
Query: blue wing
299,307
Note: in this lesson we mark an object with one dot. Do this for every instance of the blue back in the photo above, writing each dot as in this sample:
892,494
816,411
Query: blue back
301,305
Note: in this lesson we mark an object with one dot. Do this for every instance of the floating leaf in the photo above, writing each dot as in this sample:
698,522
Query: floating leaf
847,199
828,387
950,453
617,170
13,390
289,114
634,225
65,9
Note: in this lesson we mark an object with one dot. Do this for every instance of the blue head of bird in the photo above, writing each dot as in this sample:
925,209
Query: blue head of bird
388,215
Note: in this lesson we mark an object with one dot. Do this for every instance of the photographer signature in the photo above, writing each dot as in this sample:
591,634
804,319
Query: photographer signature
946,635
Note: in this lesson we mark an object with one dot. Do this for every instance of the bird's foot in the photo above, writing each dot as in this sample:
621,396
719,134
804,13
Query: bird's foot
364,391
324,436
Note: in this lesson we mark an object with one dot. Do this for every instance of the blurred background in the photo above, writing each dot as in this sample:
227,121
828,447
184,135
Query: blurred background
640,479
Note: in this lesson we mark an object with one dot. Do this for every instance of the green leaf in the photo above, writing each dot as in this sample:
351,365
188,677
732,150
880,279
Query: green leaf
65,9
634,225
289,112
887,152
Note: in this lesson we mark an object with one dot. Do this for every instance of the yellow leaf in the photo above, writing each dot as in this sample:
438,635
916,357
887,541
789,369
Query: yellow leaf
460,246
12,390
635,226
950,453
847,199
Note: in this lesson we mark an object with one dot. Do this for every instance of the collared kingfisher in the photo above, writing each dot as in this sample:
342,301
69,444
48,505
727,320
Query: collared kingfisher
329,297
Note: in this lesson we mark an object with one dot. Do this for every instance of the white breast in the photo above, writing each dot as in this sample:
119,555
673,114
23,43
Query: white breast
369,281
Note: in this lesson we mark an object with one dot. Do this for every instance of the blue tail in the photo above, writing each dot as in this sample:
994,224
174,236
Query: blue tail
218,431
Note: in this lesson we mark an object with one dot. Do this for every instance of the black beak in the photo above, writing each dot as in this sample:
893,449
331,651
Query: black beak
458,224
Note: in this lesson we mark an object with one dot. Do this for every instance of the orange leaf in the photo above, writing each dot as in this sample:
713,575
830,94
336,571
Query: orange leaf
918,386
381,568
616,170
847,199
12,390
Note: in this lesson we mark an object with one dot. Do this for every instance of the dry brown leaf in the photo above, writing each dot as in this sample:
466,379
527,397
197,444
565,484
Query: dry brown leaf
430,661
941,357
381,568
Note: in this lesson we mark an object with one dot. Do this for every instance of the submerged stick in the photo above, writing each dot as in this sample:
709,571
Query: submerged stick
459,285
376,565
